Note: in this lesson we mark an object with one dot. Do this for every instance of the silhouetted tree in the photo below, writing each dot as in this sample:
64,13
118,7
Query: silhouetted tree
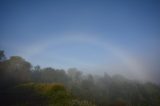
2,56
74,74
15,70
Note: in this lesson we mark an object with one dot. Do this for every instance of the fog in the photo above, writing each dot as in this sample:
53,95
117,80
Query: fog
92,54
80,52
21,82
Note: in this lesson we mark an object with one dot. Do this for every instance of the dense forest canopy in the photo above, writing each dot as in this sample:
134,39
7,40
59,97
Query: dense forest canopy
22,83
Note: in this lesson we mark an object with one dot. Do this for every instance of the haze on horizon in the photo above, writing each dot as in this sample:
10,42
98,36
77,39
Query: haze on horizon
117,37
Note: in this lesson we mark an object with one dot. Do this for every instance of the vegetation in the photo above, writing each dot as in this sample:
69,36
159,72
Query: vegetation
22,84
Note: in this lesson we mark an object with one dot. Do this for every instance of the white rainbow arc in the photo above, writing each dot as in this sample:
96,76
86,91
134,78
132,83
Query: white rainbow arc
131,62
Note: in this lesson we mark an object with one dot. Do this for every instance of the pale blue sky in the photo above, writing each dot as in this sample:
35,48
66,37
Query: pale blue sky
83,33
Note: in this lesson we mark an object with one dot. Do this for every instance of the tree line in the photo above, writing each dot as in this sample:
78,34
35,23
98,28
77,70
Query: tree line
22,83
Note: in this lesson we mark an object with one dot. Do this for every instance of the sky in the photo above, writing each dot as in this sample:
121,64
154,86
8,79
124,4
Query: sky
95,36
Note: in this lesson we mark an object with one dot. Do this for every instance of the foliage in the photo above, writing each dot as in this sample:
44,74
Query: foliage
22,84
55,94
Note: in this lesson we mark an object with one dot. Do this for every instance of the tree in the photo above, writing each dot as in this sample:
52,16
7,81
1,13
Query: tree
74,74
36,73
16,70
2,56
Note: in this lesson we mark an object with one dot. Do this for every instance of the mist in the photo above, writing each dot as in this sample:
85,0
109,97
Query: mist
83,52
92,54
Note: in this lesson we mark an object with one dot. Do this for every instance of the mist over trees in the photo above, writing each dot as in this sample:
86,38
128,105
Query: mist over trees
24,84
